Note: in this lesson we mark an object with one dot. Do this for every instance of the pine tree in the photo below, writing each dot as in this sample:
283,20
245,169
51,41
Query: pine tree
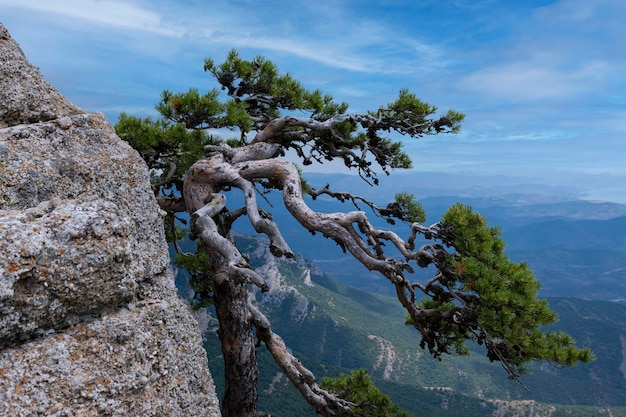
476,292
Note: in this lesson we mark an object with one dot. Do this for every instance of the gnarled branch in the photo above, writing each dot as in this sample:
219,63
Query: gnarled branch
206,229
323,402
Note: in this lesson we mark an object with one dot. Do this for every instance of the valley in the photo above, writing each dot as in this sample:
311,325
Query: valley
336,316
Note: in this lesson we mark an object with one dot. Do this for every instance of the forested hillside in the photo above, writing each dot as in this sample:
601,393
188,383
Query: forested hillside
359,329
575,249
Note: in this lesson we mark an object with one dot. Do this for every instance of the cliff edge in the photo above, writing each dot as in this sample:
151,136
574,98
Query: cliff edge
90,321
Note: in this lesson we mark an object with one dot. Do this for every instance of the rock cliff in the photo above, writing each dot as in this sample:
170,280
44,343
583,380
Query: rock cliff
90,322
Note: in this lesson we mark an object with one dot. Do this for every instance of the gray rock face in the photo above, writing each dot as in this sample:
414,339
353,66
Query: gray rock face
90,321
25,97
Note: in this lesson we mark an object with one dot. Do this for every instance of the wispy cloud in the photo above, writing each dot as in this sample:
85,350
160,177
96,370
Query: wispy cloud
112,13
538,79
541,85
568,48
329,34
333,36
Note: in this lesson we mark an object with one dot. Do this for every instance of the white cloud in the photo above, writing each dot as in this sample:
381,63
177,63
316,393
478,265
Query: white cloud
536,80
310,50
331,35
114,13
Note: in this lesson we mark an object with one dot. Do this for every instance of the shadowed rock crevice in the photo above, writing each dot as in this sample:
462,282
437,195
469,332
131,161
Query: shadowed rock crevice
90,320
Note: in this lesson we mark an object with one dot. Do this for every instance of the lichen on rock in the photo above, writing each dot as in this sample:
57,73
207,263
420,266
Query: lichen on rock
25,96
90,320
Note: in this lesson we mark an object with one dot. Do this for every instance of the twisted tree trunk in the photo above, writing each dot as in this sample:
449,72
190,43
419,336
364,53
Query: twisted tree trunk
241,168
230,274
238,347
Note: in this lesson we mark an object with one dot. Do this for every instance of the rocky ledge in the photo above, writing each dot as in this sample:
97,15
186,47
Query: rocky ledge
90,321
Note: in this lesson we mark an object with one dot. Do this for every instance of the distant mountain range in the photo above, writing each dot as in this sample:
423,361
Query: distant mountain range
334,328
336,317
577,248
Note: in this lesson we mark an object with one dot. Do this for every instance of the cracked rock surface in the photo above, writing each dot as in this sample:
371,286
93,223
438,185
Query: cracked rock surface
90,320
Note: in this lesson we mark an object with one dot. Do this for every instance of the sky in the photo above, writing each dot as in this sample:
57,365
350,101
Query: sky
542,83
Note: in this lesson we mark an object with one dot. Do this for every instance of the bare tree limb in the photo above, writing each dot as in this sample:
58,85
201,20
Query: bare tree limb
216,173
172,204
323,402
207,230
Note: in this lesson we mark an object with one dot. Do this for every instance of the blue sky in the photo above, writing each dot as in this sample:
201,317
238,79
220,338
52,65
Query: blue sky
542,83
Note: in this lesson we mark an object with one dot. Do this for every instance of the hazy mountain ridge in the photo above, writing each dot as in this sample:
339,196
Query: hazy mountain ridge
571,244
346,328
575,248
466,185
569,234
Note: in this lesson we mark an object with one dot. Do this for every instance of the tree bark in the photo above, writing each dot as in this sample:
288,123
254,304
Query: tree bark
324,402
238,347
231,273
203,182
